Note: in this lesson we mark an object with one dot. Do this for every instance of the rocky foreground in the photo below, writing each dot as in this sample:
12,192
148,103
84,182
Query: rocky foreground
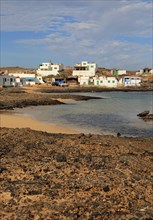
57,176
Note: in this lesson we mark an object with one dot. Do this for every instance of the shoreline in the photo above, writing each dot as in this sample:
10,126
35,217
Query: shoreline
13,120
53,172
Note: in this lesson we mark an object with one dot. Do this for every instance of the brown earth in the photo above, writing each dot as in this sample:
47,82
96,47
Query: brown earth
16,69
11,98
57,176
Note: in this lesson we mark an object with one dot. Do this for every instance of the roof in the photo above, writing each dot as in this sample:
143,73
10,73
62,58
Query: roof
7,76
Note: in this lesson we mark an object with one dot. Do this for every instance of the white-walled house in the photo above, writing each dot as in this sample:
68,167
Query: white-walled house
106,81
83,80
85,69
46,69
6,80
132,81
27,79
145,72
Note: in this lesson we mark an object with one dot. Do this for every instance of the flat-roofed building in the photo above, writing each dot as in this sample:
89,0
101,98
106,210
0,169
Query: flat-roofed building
85,69
46,69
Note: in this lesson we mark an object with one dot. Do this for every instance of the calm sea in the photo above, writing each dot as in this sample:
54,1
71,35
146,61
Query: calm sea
116,112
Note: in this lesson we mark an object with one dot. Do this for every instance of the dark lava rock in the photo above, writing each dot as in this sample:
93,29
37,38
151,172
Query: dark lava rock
143,114
118,134
106,188
2,169
61,158
34,192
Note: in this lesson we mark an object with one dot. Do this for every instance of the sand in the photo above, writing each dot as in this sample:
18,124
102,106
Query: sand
10,120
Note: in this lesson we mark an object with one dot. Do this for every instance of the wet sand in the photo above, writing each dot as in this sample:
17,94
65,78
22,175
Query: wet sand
10,120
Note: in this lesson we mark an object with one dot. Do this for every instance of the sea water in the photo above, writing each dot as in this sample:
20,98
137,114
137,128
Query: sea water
114,112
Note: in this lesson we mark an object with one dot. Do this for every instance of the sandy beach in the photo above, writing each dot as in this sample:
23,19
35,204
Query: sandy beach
10,120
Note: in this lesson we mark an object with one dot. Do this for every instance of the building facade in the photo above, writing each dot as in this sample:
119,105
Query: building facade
6,81
85,69
104,81
132,81
46,69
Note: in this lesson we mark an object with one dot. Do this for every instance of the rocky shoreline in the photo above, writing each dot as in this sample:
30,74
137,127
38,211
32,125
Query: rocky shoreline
57,176
62,176
19,98
93,89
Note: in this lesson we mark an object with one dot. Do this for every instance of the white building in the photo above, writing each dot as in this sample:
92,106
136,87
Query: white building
22,75
145,72
131,81
27,79
83,80
46,69
85,69
6,80
106,81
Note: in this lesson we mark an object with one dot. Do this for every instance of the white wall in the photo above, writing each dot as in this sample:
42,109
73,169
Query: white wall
49,69
89,69
83,73
45,66
83,80
47,72
30,83
105,81
39,80
6,80
22,75
121,72
151,71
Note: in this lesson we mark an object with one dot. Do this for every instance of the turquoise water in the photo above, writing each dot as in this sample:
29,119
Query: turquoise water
116,112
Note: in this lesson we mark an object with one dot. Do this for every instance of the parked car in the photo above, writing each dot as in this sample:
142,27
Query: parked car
59,83
63,84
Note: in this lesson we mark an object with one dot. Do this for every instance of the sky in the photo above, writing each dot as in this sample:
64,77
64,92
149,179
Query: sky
112,33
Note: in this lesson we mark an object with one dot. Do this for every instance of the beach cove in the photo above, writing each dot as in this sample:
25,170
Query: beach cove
104,112
56,174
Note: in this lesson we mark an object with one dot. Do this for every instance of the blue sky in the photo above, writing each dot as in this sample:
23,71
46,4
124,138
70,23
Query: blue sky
115,34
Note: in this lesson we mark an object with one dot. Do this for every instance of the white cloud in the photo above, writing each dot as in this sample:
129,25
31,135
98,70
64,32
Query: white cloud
91,29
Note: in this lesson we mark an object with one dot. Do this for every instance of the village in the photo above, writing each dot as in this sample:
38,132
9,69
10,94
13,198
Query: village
84,74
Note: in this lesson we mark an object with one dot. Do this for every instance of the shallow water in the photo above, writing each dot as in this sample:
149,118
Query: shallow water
116,112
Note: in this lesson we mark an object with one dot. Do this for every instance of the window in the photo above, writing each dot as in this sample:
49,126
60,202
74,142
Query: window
92,66
55,68
101,81
113,81
108,81
11,80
